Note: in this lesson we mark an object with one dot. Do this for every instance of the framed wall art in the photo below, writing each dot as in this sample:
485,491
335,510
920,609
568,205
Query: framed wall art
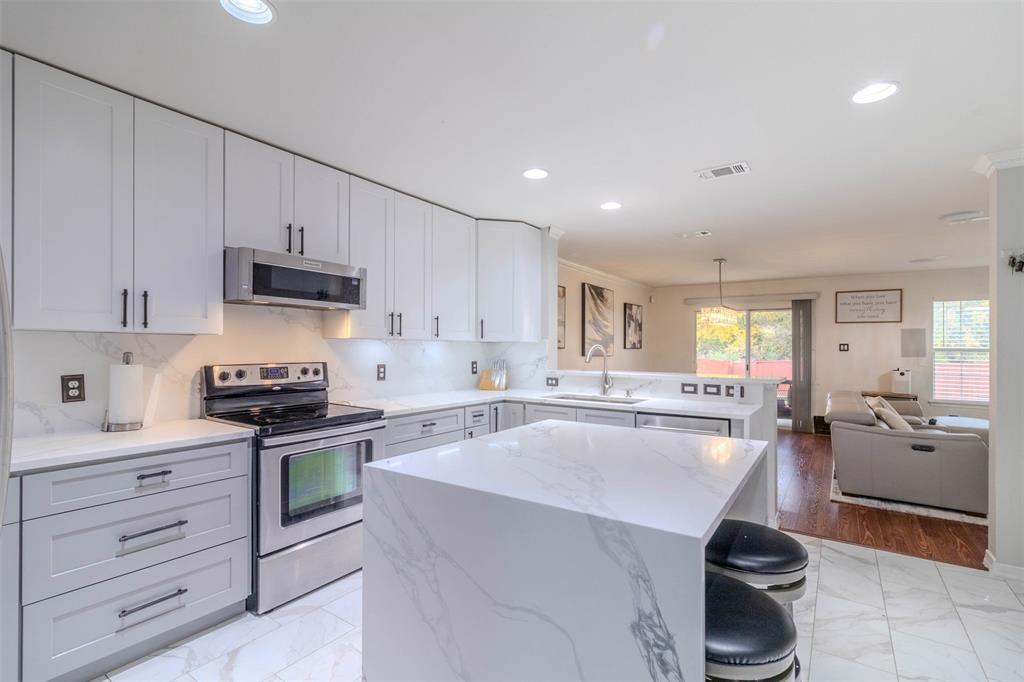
870,305
598,318
633,320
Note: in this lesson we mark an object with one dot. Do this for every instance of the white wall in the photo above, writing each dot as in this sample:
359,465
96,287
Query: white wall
874,348
251,334
572,276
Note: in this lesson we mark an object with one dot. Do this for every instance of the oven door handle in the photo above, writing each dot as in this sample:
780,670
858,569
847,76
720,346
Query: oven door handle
320,435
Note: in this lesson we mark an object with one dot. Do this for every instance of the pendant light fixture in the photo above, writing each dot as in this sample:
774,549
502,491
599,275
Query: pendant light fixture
721,315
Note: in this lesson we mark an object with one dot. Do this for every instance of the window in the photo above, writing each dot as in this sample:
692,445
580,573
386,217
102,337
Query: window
960,346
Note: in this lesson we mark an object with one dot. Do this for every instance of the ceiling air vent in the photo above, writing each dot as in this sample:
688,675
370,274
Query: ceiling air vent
722,171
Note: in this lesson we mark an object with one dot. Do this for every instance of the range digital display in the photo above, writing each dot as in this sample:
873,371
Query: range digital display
273,373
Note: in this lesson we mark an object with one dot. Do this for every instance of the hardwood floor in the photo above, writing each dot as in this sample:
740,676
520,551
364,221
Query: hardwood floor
805,473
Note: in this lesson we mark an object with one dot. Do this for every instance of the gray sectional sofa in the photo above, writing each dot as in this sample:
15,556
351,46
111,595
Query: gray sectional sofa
929,465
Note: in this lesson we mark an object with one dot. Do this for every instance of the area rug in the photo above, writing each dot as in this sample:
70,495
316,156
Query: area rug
838,495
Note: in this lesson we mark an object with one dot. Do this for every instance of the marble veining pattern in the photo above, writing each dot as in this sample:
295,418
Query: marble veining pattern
292,334
991,650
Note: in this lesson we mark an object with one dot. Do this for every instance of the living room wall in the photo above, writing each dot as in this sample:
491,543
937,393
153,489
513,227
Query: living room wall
874,348
571,276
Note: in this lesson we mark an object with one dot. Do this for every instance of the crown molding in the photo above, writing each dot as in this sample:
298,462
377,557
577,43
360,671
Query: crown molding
988,164
586,269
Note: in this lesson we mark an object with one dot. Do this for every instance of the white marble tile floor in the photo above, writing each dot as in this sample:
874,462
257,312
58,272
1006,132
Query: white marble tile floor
867,616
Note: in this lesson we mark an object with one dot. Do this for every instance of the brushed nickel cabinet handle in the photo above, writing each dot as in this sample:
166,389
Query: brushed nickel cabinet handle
124,613
133,536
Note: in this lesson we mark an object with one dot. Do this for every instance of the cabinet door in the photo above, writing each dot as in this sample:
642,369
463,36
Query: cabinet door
321,211
72,202
453,278
496,277
372,214
529,280
10,586
6,141
179,223
411,281
259,191
509,415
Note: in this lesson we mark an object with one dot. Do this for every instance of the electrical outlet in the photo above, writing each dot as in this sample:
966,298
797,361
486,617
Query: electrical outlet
72,388
552,381
844,348
382,372
473,368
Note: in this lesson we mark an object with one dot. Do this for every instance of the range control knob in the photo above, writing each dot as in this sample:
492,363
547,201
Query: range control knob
240,374
304,371
316,371
223,376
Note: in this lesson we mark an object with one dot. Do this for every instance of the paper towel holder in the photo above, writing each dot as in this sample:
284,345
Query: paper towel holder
107,426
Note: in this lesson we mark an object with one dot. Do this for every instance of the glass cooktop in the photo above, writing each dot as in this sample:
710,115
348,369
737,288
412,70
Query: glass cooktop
276,420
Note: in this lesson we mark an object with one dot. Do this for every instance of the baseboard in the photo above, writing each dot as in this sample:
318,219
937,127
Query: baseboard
1002,570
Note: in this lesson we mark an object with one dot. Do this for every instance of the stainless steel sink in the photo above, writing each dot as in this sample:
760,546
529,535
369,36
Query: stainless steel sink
597,398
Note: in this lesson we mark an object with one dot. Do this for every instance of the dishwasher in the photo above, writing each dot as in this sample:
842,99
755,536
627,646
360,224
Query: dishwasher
703,426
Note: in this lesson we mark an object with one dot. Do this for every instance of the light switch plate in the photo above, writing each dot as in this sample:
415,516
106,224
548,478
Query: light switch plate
552,381
689,389
72,388
473,368
712,389
382,372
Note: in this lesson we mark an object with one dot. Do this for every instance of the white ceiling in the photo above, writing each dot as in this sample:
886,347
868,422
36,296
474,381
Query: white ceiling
618,100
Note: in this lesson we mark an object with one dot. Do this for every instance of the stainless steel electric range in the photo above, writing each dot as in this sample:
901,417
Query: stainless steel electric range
308,472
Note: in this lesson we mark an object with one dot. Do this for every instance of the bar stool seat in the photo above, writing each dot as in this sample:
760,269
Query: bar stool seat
760,556
747,635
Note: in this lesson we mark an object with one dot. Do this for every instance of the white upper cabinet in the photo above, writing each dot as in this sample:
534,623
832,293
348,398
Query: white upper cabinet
453,280
179,223
410,253
509,280
73,202
371,221
259,193
321,211
6,157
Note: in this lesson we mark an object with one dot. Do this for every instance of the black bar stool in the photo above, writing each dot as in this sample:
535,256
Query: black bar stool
762,557
747,635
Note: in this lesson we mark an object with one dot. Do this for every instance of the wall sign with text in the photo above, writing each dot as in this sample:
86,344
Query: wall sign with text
876,305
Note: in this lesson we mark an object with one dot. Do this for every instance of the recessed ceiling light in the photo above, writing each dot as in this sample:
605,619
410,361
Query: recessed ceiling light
875,92
611,206
535,173
961,217
251,11
703,233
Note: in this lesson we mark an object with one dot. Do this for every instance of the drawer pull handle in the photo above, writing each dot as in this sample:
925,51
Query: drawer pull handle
922,448
427,425
155,474
478,415
124,613
134,536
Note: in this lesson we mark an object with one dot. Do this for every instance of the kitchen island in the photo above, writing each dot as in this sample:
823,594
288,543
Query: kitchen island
554,551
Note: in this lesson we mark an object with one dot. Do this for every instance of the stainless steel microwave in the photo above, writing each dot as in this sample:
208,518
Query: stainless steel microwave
264,277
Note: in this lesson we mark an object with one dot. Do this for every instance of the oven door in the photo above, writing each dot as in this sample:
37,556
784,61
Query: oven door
311,487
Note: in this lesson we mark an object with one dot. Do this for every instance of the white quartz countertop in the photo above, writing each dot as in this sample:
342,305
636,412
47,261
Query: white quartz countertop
412,404
679,483
54,451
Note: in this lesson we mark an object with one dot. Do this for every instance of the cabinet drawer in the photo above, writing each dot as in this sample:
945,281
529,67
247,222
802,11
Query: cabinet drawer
67,632
703,426
12,505
53,492
68,551
537,413
610,417
423,425
422,443
477,431
478,415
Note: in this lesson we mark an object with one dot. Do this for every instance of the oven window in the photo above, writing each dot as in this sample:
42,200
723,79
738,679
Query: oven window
319,482
277,280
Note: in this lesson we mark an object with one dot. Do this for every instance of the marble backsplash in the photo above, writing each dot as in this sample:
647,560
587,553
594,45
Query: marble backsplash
251,334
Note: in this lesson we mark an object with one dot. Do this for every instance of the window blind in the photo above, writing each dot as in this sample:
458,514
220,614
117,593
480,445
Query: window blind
960,345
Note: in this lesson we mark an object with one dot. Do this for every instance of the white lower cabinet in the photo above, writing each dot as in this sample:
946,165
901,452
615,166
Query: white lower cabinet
477,431
538,413
69,551
72,630
507,415
422,425
10,563
610,417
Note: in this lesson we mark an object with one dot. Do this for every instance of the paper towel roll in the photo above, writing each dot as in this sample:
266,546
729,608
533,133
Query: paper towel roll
126,403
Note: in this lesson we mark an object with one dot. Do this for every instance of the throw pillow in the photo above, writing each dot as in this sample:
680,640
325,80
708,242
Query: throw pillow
895,421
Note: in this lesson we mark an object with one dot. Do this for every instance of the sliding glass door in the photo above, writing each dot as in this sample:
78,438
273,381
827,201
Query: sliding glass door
758,343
